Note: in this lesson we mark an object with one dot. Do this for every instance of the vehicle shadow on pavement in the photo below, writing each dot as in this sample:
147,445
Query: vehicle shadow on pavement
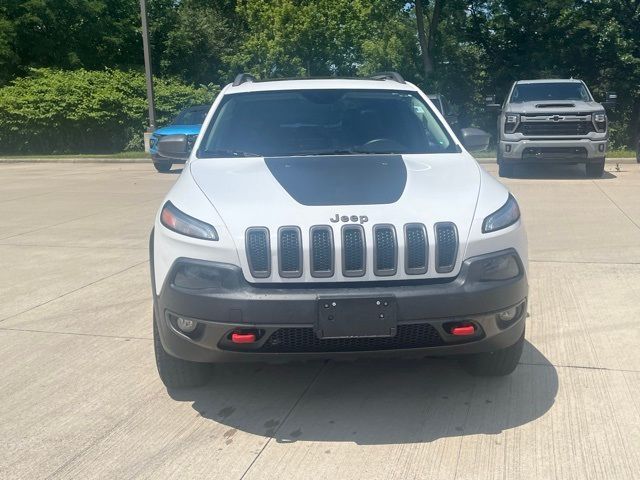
174,171
374,402
558,172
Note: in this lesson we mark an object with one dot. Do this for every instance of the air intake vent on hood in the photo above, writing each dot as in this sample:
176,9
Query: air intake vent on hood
446,246
555,105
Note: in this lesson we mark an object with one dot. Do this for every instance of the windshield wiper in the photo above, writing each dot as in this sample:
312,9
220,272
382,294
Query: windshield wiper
229,153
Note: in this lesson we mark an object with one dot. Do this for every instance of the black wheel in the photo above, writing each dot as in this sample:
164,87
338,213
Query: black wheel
162,166
494,364
595,169
177,373
505,170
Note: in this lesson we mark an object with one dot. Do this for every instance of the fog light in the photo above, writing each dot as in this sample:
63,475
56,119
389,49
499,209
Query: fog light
186,325
507,148
601,147
507,315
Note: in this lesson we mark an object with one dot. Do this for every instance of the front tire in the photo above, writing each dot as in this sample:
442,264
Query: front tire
177,373
595,169
162,166
494,364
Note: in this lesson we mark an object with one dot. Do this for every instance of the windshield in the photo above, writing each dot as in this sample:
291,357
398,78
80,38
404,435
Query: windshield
323,122
191,117
531,92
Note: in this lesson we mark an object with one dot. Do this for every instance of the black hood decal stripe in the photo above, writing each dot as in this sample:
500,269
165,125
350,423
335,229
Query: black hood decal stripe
341,180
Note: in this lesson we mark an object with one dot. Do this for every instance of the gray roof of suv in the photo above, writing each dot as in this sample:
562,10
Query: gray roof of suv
554,80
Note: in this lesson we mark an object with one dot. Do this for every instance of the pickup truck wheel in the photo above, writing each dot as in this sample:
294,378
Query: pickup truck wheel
162,166
494,364
177,373
505,170
595,169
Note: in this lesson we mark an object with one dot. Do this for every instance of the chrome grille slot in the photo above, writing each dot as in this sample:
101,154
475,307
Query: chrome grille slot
416,249
322,252
446,246
258,250
385,250
289,252
353,251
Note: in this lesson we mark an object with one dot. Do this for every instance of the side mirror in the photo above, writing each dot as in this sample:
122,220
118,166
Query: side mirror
452,119
475,139
174,146
491,102
610,99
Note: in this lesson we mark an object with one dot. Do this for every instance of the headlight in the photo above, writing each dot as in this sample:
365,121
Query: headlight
180,222
511,121
506,215
600,121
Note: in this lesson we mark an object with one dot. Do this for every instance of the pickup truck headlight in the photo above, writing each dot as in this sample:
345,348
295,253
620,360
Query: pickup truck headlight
505,216
181,223
511,121
600,121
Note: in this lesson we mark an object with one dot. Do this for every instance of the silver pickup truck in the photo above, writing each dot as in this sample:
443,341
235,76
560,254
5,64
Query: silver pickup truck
552,121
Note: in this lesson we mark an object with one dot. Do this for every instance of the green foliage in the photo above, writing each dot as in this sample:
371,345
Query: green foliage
53,111
90,34
200,38
478,47
293,38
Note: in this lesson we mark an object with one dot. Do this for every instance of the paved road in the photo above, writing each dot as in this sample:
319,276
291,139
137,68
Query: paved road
81,398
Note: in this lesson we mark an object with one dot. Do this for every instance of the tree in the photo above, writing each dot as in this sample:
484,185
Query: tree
200,40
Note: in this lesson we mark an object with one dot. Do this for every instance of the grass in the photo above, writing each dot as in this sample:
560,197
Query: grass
84,155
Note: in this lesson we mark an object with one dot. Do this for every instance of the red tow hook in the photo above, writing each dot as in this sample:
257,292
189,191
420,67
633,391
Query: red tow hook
237,337
463,330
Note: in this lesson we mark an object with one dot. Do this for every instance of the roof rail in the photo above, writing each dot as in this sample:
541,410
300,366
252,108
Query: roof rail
395,76
243,78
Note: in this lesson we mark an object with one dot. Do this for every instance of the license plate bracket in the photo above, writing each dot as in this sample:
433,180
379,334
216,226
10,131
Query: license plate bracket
356,317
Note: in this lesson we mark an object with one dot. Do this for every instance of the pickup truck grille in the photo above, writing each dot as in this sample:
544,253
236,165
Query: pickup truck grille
350,244
553,128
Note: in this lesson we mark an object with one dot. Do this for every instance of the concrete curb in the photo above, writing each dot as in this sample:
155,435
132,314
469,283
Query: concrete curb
73,160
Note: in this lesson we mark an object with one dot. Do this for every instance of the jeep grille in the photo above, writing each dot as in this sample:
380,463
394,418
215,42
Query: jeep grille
407,252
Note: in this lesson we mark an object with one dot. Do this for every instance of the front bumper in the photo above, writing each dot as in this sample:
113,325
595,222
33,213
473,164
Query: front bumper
157,158
531,150
290,314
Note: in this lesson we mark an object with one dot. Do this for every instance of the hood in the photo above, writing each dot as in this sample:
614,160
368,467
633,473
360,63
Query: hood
179,129
308,191
554,106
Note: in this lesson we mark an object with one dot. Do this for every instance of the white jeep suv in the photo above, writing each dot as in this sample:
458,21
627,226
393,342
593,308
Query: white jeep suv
327,218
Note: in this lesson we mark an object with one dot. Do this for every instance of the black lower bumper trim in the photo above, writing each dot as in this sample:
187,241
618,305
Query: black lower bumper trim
301,340
287,317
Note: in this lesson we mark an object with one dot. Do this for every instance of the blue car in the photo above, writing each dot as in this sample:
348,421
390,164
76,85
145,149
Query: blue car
188,122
